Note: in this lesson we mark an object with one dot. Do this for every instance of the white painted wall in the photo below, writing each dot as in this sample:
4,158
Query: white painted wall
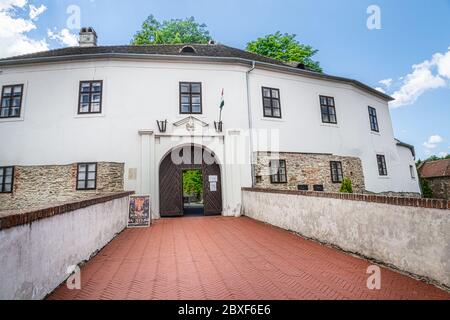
413,239
34,258
137,93
301,128
403,178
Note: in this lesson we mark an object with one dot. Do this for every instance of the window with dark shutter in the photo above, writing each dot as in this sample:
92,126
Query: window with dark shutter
271,102
382,168
373,119
278,171
190,98
337,175
328,110
87,176
90,97
11,101
6,179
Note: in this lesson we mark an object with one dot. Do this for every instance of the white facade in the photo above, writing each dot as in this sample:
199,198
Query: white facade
138,92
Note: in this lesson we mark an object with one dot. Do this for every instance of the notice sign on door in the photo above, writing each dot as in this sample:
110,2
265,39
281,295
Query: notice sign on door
139,214
213,186
213,179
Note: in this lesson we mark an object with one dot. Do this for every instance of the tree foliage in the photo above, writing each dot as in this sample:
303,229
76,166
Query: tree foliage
193,183
347,186
286,48
174,31
426,189
433,158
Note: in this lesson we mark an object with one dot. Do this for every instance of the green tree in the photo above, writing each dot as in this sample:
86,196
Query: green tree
426,190
347,186
193,182
286,48
174,31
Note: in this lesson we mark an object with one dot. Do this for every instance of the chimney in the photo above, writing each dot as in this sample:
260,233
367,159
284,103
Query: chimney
88,37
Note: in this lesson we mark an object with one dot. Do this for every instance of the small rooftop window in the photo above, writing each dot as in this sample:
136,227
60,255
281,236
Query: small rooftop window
188,49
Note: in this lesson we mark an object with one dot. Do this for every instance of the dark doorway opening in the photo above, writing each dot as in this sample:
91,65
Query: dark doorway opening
193,204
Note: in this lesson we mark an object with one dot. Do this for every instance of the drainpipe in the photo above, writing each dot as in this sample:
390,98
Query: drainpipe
250,122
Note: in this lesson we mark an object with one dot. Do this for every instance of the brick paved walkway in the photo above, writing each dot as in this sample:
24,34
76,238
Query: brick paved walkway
231,258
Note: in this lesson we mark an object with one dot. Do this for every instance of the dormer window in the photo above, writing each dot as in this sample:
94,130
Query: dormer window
188,49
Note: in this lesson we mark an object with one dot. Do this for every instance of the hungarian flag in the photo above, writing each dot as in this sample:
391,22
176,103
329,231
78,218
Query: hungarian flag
222,100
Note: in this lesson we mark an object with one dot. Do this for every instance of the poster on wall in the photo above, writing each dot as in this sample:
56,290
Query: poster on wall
139,212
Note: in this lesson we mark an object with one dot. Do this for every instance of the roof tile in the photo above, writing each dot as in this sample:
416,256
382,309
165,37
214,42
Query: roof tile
435,169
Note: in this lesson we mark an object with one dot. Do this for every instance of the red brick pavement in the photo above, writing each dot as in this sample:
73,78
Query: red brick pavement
231,258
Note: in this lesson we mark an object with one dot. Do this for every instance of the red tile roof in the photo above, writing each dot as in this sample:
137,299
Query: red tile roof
435,169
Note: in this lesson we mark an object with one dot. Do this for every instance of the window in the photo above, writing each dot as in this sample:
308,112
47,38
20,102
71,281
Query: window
382,169
188,49
412,171
318,188
337,175
373,119
328,110
11,102
6,179
190,98
87,176
90,100
271,103
278,171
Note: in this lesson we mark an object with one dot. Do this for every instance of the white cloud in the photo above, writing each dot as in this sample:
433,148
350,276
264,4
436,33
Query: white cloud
443,63
386,82
13,31
428,75
380,89
443,154
35,12
17,19
435,139
8,4
433,142
65,37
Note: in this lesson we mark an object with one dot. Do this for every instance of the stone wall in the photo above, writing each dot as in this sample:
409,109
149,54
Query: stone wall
440,187
37,185
410,234
310,169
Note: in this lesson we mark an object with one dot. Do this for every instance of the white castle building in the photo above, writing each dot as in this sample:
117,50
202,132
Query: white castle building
95,119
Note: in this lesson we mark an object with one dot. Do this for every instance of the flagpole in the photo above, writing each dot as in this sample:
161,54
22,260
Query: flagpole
221,105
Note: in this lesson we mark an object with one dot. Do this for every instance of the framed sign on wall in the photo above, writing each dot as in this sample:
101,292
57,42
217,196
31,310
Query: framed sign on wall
139,211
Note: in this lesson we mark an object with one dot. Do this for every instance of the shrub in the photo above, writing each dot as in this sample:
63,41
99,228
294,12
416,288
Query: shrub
346,186
426,190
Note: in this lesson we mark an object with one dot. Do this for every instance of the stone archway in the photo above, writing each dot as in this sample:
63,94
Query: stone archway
171,185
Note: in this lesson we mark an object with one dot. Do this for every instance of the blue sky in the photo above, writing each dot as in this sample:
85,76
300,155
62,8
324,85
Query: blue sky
412,33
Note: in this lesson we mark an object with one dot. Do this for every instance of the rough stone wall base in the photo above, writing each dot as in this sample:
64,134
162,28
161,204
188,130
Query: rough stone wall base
310,169
38,185
440,187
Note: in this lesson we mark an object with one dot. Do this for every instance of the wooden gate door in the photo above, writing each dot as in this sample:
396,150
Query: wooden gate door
212,190
171,187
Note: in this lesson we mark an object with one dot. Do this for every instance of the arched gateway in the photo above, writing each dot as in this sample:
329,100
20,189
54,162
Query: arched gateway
172,167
